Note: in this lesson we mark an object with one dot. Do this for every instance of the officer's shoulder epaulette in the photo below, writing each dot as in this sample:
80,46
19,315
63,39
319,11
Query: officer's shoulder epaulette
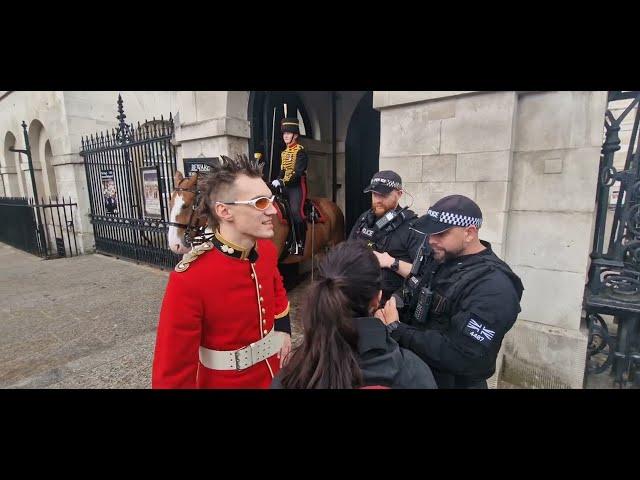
192,255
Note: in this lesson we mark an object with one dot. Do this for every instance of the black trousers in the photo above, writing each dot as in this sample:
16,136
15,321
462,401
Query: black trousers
295,202
296,198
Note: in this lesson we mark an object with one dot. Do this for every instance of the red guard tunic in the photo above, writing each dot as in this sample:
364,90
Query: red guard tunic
226,300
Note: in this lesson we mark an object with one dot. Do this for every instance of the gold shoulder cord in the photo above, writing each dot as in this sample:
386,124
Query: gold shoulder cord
193,255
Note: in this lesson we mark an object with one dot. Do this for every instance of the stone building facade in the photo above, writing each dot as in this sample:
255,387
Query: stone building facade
529,159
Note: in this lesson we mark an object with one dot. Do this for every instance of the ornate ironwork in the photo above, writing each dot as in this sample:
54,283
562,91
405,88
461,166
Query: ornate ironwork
122,225
614,275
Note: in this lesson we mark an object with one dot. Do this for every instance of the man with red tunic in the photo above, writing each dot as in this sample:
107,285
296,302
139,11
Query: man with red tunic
224,321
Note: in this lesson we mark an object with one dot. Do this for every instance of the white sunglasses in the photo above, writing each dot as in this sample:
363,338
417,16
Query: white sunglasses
260,203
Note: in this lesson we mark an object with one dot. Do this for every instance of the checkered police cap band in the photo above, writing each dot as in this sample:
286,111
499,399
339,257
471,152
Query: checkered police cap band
454,219
387,183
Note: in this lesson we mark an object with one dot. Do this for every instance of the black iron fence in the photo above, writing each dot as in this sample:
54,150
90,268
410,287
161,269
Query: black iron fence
46,229
130,178
614,275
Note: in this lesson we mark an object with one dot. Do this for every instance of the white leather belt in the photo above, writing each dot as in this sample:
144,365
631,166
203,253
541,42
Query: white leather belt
243,357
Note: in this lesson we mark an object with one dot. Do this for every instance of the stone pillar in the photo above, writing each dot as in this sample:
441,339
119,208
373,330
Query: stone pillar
71,177
72,183
558,139
212,123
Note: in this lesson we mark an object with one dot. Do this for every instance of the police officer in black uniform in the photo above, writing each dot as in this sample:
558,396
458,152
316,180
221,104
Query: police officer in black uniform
387,228
464,299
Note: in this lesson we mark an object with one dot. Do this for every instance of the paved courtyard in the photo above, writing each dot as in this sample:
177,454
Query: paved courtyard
81,322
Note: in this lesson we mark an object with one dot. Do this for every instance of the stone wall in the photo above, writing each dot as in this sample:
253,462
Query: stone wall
530,160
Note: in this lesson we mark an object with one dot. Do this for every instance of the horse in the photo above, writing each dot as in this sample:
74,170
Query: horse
186,222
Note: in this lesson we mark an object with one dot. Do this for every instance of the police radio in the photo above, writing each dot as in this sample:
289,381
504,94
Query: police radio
417,265
421,313
388,218
421,261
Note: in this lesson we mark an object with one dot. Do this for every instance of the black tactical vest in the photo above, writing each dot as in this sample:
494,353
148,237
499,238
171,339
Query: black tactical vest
379,239
449,284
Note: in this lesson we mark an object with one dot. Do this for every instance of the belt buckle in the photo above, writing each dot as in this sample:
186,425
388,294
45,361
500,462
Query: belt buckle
238,353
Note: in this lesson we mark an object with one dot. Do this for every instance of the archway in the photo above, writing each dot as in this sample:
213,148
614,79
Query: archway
362,152
35,135
50,183
13,178
266,110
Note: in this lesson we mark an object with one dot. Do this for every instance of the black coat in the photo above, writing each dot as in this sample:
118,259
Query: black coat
476,301
402,243
382,360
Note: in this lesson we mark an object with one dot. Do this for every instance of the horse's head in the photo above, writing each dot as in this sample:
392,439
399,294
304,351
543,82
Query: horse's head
184,218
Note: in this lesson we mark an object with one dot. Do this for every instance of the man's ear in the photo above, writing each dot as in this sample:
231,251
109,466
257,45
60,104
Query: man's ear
223,212
472,232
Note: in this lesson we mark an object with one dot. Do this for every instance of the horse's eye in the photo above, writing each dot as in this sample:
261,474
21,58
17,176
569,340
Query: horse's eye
184,206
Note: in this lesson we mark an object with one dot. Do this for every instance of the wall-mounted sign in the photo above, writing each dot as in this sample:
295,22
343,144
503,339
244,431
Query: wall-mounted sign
109,191
202,164
151,192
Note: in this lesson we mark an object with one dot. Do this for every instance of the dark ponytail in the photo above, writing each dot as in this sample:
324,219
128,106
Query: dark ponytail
348,279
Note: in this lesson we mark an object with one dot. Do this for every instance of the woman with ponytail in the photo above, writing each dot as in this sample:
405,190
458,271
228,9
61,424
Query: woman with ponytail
345,345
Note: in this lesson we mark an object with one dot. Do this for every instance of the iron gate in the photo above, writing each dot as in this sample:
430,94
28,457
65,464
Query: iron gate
614,275
46,229
18,226
130,178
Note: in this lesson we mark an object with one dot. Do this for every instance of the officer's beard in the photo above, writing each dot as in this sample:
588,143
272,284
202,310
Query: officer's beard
380,210
443,256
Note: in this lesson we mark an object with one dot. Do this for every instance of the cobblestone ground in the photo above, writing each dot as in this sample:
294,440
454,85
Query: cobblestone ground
82,322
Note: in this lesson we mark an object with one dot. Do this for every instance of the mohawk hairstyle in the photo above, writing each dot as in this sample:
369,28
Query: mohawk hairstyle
218,180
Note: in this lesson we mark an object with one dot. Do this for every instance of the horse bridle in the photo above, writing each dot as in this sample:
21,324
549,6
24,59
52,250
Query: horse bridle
199,232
